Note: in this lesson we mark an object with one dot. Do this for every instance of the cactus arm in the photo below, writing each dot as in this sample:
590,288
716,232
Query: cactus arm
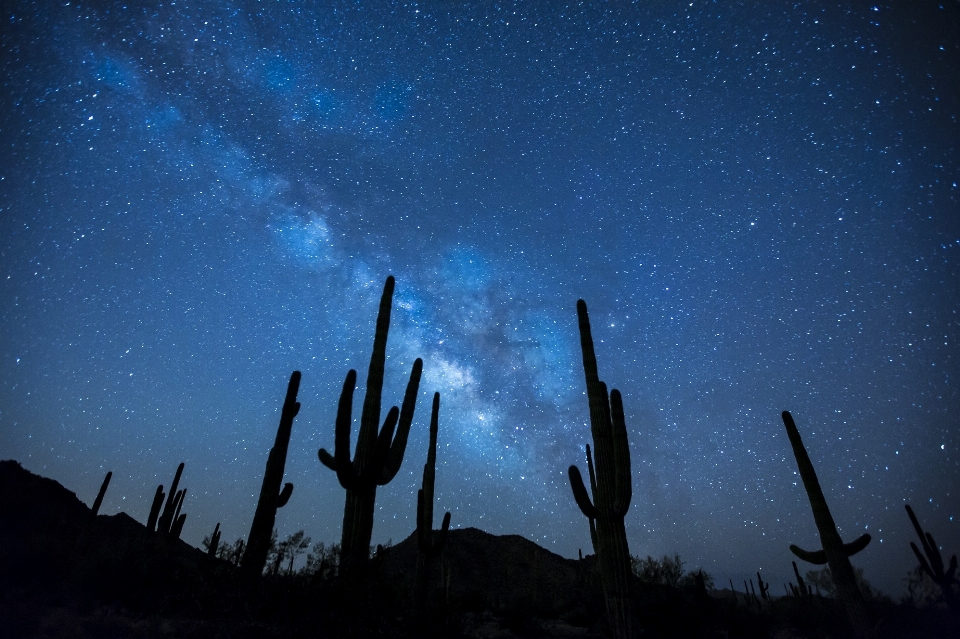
103,491
580,493
155,509
924,566
623,486
376,468
346,472
394,459
327,459
817,557
166,518
284,495
177,527
593,475
856,545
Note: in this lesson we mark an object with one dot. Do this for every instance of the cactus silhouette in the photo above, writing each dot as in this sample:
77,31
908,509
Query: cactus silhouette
379,454
271,496
834,552
170,521
155,509
103,491
931,562
764,588
802,590
611,487
430,544
214,541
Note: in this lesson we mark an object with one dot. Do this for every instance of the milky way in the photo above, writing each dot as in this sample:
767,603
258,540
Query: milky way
760,206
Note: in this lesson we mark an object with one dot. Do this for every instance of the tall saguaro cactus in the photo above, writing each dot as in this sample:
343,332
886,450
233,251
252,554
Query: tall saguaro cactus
271,496
379,454
611,486
835,553
428,546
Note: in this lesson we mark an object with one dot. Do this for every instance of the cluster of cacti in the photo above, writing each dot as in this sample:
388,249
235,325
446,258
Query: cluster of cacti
378,455
611,488
271,495
931,562
171,521
429,543
103,491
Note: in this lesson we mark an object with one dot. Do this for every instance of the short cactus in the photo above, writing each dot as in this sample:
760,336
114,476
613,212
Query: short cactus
271,496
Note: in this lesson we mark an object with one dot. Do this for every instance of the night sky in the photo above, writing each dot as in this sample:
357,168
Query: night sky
758,202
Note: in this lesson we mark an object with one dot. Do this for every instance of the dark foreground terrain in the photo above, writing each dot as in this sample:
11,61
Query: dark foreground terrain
67,573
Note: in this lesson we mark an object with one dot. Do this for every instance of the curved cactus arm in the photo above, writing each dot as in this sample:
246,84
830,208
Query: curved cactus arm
856,545
346,472
284,496
580,494
593,475
393,461
177,526
818,557
382,448
623,486
327,459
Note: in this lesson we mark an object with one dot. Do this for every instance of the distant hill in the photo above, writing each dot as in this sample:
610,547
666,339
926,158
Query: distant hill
480,571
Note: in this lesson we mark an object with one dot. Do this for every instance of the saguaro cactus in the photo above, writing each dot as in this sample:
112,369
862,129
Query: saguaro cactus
611,485
429,544
931,562
835,553
271,496
103,491
379,454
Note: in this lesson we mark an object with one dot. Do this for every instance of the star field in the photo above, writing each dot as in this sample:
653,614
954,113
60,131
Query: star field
759,204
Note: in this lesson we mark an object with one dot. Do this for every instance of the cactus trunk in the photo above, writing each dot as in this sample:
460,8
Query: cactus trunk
611,488
271,495
429,549
834,552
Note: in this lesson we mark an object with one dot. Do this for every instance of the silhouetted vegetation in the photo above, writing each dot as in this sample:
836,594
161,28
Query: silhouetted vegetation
610,486
378,455
66,571
271,496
